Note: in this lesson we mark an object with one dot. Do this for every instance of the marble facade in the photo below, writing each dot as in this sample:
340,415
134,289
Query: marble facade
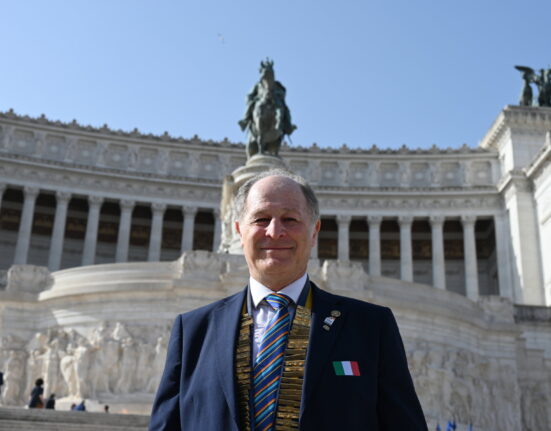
105,236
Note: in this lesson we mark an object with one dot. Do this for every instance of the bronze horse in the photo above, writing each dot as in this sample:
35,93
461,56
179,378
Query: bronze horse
267,117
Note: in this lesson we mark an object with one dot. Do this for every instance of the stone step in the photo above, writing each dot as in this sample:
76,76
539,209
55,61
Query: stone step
17,419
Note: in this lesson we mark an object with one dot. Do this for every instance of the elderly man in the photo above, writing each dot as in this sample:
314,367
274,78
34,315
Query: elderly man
284,354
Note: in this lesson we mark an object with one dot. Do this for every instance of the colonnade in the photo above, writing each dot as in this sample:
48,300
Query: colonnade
437,242
189,213
95,202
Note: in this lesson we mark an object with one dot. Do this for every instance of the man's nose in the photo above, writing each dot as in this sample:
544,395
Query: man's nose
275,229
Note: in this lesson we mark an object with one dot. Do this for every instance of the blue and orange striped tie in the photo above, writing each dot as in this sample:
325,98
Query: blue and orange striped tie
269,363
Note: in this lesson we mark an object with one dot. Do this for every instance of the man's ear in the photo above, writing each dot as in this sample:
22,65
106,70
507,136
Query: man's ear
236,224
317,227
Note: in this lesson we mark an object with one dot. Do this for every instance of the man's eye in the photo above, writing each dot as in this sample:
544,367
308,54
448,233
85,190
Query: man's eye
262,220
290,219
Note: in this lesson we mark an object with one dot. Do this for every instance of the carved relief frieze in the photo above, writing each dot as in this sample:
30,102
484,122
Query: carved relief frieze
489,202
389,174
23,142
480,173
116,156
359,174
148,160
450,174
55,147
420,174
178,163
85,152
329,173
210,166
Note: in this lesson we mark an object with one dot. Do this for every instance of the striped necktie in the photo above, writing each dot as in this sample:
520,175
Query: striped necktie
269,363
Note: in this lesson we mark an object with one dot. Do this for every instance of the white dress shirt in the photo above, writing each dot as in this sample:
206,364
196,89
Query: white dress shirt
263,312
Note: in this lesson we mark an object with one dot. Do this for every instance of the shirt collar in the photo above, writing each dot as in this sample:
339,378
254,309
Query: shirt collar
259,291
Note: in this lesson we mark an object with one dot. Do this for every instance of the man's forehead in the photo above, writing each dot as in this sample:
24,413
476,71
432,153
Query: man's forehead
274,186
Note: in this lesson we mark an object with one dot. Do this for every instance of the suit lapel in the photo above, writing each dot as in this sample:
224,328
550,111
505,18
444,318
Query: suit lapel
226,319
321,340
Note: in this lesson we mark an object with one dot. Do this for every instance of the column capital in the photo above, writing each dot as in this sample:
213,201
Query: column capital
95,200
158,207
437,220
127,204
31,191
189,210
62,196
343,218
373,219
468,219
405,220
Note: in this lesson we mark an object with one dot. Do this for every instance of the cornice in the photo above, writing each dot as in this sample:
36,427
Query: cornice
105,132
525,117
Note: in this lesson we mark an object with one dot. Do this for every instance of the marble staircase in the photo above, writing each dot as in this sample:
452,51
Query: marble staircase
17,419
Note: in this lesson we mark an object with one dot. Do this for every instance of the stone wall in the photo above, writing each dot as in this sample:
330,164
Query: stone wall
100,332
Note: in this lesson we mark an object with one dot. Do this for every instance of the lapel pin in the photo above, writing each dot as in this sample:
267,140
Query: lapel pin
329,320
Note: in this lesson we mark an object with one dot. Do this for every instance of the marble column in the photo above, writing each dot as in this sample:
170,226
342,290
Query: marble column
125,225
438,258
58,234
504,262
469,249
2,189
189,226
217,230
374,223
156,237
91,237
406,256
25,226
344,237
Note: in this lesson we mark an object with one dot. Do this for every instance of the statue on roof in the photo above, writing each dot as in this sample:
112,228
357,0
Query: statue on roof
542,80
267,118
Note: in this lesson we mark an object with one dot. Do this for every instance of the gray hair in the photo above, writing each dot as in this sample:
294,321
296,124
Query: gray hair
240,200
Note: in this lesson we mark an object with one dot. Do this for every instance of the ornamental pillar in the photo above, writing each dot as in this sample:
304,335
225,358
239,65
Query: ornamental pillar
503,252
469,250
406,259
25,226
58,234
91,237
374,223
2,189
344,237
125,224
189,226
155,239
438,258
217,229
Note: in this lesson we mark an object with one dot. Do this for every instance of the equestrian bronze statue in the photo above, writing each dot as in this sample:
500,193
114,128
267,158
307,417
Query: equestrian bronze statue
267,118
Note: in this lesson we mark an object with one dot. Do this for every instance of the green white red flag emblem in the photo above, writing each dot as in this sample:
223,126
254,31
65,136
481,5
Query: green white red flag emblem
346,368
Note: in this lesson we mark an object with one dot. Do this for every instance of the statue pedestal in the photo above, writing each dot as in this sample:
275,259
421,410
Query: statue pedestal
230,242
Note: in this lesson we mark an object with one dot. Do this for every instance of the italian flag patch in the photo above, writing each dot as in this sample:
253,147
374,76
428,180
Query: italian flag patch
346,368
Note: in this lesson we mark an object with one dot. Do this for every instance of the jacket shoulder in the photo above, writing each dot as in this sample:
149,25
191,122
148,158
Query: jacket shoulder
352,303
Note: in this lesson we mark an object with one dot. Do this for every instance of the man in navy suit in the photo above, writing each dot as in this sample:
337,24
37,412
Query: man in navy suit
349,372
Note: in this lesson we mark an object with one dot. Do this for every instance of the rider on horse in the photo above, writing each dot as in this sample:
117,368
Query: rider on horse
267,117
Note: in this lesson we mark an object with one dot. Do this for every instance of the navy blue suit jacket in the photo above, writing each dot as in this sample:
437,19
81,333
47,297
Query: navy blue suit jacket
197,389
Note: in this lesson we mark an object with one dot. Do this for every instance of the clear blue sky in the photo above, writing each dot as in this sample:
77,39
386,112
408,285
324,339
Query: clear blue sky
365,72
